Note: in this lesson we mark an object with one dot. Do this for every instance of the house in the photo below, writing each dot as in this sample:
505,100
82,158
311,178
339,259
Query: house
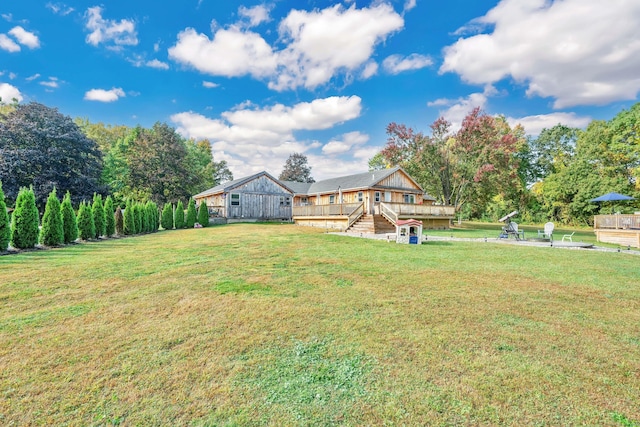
366,202
259,197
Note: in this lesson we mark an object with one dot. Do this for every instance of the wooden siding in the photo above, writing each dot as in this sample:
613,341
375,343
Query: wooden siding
260,198
619,237
335,222
399,180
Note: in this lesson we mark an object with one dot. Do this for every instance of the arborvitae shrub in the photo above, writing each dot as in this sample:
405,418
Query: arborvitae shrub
5,229
137,210
52,233
203,214
149,213
86,227
98,215
166,221
69,220
109,218
25,220
119,221
179,215
129,219
190,220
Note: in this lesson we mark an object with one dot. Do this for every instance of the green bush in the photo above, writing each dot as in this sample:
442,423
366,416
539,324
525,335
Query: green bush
52,233
191,214
86,226
166,221
129,219
179,215
152,213
137,211
203,214
98,215
5,229
109,218
119,221
69,220
25,220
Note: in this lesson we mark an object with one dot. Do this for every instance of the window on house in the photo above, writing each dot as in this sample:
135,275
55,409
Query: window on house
360,196
235,199
387,196
285,201
377,196
332,199
304,201
410,198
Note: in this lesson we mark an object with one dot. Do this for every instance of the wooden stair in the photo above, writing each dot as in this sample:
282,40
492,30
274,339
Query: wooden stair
373,224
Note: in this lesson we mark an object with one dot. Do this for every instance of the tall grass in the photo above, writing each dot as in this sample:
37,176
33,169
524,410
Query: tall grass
283,325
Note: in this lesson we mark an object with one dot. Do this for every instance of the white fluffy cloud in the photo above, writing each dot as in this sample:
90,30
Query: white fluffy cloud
209,85
311,55
25,37
155,63
255,15
52,83
9,92
103,95
248,137
396,64
314,55
7,44
457,109
348,142
580,52
107,31
231,53
533,125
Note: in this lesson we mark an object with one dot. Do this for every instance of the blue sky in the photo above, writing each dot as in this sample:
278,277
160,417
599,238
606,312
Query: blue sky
261,80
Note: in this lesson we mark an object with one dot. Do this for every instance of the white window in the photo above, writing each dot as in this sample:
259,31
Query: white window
332,199
304,201
409,198
360,196
377,196
285,201
235,199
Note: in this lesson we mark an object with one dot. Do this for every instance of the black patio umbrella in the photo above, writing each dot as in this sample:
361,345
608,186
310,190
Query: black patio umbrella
612,197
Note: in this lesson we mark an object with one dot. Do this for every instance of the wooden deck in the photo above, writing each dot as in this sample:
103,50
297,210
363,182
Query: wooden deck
623,230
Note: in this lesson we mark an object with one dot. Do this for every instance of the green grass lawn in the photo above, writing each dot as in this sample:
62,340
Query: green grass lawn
283,325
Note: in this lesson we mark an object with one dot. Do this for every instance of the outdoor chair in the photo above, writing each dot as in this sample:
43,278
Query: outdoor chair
547,233
518,234
569,237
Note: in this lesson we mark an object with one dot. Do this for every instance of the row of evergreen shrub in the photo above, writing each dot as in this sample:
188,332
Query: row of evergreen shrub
61,225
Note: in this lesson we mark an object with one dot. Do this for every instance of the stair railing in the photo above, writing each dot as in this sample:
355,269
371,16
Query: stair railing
355,215
388,213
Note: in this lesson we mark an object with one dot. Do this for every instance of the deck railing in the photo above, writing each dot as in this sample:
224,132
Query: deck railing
617,222
388,213
356,214
407,210
326,210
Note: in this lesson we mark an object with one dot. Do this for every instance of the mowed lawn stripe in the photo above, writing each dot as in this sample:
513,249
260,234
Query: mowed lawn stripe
196,327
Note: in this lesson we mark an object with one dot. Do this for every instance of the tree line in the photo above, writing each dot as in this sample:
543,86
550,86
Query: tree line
41,148
487,168
61,224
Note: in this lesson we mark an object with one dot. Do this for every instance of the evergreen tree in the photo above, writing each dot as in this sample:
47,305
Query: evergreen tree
129,219
69,220
166,221
109,218
137,211
119,221
149,209
52,233
98,215
86,226
179,215
24,221
203,214
191,214
5,229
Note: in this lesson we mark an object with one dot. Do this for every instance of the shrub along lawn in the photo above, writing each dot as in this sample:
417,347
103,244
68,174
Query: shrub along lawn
283,325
